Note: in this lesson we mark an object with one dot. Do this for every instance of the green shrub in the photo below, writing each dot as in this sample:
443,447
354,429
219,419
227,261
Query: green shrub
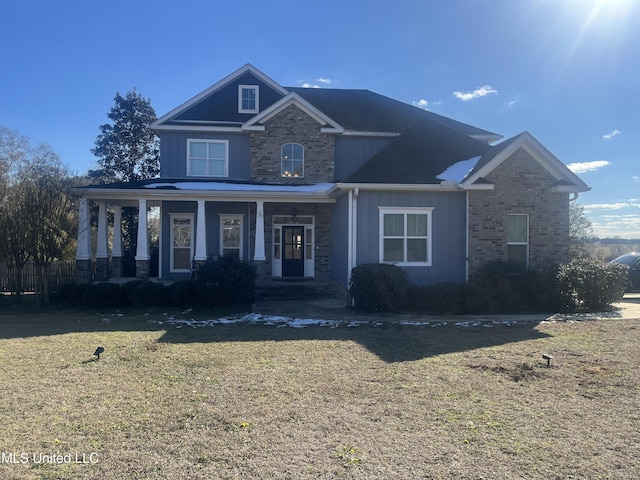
225,282
145,293
588,285
378,287
183,293
103,295
511,287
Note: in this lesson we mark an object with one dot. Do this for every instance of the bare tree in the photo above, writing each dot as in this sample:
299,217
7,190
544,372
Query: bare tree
36,218
580,231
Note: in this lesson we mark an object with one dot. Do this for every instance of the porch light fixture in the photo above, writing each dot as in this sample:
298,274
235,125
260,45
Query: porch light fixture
294,214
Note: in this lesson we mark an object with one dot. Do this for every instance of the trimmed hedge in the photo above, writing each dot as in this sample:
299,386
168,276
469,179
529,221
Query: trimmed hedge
583,285
588,285
225,282
378,287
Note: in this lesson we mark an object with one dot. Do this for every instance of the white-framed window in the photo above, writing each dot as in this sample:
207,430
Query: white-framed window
518,238
292,160
231,235
207,158
405,235
248,99
181,242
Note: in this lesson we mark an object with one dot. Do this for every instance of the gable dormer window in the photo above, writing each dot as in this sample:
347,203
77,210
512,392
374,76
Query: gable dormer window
248,98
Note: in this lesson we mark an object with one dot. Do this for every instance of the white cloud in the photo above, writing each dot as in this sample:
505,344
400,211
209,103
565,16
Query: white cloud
477,93
510,104
422,103
612,206
321,80
581,167
609,136
625,226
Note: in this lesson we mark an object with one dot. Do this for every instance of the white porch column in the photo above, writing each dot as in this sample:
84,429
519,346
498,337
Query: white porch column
201,233
102,250
117,231
142,253
259,252
83,251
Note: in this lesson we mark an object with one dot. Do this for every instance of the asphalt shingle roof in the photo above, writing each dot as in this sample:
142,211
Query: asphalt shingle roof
419,155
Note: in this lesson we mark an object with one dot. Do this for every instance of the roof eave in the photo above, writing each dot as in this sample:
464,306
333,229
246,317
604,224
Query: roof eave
405,187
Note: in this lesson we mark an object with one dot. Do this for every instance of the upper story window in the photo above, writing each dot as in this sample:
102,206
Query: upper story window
292,160
208,158
248,98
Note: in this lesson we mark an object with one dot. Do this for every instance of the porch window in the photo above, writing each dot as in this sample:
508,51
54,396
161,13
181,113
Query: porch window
405,236
292,160
518,238
208,158
248,98
231,235
181,242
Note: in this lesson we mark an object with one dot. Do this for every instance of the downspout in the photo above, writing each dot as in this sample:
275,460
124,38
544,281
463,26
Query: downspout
574,196
349,236
467,234
354,245
352,231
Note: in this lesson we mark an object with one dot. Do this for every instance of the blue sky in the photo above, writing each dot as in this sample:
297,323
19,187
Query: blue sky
567,71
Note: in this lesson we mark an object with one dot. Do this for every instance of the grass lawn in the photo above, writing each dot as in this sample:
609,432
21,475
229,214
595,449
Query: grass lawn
255,401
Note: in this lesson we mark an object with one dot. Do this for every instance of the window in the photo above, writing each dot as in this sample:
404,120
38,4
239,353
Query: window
231,235
405,236
248,100
181,242
208,158
292,160
518,238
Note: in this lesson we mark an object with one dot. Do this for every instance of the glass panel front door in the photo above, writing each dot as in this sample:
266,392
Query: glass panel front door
293,251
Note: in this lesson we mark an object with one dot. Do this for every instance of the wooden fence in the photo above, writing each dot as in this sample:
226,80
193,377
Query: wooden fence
59,273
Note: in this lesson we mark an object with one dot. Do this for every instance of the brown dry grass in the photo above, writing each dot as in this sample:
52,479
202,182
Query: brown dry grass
247,401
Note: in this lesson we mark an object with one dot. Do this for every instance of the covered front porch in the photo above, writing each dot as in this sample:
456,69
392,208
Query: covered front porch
283,230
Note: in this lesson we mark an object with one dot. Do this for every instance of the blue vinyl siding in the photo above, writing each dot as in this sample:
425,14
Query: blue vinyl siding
223,104
173,153
448,232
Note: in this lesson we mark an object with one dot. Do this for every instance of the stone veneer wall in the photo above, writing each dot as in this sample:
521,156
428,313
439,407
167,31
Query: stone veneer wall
292,125
522,186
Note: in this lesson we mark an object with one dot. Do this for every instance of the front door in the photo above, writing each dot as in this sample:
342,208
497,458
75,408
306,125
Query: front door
293,251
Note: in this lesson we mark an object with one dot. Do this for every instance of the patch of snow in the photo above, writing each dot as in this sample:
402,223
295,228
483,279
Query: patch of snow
458,171
282,322
243,187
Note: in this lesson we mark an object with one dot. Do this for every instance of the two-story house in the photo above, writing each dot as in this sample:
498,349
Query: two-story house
308,183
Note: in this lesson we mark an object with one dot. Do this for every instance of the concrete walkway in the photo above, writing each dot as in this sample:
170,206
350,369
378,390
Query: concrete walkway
332,309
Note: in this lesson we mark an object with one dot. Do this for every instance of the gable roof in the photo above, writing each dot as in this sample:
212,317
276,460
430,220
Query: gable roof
346,111
329,124
218,104
567,181
419,156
